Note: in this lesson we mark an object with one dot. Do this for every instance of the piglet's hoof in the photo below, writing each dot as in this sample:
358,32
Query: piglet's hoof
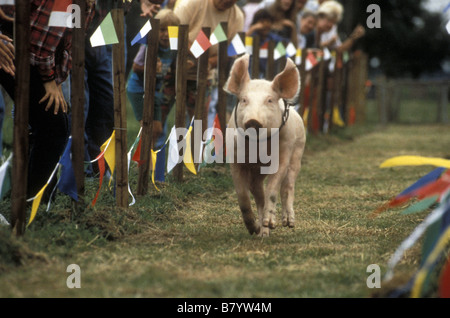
265,231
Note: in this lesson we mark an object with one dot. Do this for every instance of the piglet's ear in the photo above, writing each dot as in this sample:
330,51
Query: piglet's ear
287,83
239,76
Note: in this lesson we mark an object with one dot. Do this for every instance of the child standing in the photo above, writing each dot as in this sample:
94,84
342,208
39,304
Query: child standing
165,77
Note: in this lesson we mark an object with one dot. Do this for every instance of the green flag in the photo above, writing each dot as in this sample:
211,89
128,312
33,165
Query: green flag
105,33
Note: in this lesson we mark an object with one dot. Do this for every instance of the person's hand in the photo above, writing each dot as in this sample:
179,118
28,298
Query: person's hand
149,9
288,23
7,55
358,32
54,95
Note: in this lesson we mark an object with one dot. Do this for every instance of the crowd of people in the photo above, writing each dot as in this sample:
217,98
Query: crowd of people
308,24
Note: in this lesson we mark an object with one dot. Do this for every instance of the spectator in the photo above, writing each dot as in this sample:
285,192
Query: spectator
250,8
149,9
307,25
325,35
284,24
50,60
165,77
262,25
206,13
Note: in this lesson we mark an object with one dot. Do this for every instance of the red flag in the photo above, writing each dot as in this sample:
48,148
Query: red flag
101,167
444,288
60,15
137,153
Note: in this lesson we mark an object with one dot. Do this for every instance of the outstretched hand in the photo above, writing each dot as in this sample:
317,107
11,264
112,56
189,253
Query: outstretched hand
54,95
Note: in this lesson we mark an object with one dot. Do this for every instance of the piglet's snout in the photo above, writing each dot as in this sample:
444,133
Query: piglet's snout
252,123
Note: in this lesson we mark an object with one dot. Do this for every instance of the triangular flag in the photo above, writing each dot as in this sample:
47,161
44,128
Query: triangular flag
101,167
36,202
60,15
336,117
187,158
249,44
421,205
236,46
200,45
311,61
352,116
264,51
154,154
448,27
291,50
172,161
427,179
279,51
142,35
218,35
67,183
137,153
109,147
298,57
326,54
105,33
173,37
5,177
415,161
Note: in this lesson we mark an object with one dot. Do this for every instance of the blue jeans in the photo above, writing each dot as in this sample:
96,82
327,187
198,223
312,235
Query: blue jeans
99,94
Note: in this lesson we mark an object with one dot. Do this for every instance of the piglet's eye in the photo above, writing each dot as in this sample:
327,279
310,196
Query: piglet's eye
270,100
244,100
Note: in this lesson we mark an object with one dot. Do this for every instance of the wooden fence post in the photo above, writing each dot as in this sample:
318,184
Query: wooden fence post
181,86
255,56
120,116
148,112
77,104
200,111
270,67
222,65
21,101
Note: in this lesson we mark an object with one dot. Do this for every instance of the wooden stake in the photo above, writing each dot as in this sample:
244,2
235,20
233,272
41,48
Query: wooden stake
222,65
120,115
148,112
255,57
181,86
77,103
21,101
201,112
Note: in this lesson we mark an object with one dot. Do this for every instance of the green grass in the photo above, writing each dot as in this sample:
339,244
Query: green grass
189,240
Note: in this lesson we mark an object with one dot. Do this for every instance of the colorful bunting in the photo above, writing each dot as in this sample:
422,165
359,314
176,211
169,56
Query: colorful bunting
67,183
249,44
173,37
5,177
279,51
153,154
109,149
105,33
444,287
336,117
236,46
291,50
200,45
311,61
172,161
187,158
415,161
218,35
61,14
141,37
298,57
264,51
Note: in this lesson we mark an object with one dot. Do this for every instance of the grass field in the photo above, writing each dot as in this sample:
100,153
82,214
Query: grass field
189,240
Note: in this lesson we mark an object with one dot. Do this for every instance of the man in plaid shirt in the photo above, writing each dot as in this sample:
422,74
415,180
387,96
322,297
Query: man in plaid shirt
50,60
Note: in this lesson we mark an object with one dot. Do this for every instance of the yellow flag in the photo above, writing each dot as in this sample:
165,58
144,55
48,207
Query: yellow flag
110,153
337,120
415,161
187,159
36,202
305,117
154,155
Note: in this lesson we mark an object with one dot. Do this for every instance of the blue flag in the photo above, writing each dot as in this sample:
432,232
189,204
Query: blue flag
67,183
432,176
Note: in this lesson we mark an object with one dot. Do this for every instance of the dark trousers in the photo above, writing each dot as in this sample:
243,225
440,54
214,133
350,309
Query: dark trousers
48,132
